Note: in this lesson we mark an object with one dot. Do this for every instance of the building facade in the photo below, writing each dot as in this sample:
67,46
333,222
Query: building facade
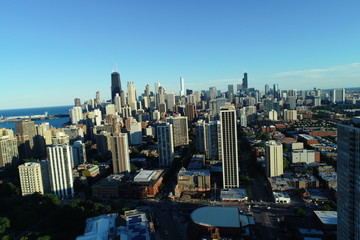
348,177
229,147
8,148
165,143
120,153
60,170
34,177
274,159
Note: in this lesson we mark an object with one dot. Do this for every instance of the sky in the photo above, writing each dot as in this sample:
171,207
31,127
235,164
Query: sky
54,51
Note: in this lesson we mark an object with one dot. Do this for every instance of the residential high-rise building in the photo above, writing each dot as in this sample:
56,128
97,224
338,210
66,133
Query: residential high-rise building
338,96
132,95
231,89
117,103
290,115
61,176
190,112
180,130
274,159
120,152
348,181
76,115
276,91
77,102
200,140
212,93
267,89
97,98
229,147
157,86
26,128
273,115
110,109
8,148
213,140
135,133
182,87
115,85
34,177
245,82
78,153
165,138
170,101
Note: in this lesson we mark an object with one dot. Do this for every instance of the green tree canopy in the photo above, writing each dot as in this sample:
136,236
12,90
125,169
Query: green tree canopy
4,224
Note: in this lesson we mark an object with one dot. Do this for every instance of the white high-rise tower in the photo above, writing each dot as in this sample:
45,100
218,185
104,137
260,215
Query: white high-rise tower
182,87
131,95
61,176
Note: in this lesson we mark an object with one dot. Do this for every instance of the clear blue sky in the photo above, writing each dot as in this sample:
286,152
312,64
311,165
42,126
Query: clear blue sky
54,51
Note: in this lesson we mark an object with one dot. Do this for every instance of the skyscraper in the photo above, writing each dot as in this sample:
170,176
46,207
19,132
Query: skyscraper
97,98
274,159
213,140
276,91
8,148
338,96
182,87
212,93
348,181
76,115
245,82
34,177
131,95
77,102
120,152
61,176
180,130
26,128
117,102
115,85
229,147
267,89
231,89
165,144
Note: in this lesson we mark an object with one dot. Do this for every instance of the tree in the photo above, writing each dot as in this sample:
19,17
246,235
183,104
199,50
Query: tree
300,212
285,163
4,224
133,168
47,237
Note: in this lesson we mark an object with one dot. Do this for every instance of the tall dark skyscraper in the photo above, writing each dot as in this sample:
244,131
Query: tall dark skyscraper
245,82
348,169
115,85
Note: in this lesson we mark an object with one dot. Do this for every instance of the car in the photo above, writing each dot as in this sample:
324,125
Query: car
268,207
166,232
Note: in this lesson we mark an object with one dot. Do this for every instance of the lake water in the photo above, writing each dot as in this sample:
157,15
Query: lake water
56,122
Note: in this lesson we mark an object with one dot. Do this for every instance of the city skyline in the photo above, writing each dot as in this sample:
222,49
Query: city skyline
55,56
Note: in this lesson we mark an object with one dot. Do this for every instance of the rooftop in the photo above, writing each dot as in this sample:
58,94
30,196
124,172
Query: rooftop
148,176
137,227
220,217
233,194
99,228
327,217
144,176
198,172
281,195
307,137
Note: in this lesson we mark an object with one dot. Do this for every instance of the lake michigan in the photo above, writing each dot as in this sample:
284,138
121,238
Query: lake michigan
56,122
